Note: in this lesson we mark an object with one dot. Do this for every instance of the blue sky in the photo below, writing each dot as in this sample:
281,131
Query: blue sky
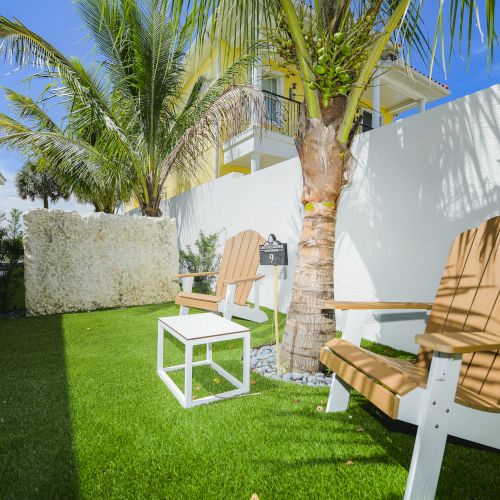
58,22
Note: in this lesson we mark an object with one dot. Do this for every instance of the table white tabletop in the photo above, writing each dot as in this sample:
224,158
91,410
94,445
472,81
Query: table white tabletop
198,326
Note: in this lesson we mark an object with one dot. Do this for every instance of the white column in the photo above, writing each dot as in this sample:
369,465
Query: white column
257,82
257,73
218,71
255,162
421,105
376,116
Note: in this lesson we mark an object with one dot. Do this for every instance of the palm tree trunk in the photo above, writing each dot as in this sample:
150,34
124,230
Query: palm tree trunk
323,160
45,202
152,208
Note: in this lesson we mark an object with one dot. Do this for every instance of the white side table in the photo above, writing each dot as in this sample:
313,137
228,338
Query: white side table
196,329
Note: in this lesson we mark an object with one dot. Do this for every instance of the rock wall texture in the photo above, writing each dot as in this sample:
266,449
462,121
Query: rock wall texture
77,262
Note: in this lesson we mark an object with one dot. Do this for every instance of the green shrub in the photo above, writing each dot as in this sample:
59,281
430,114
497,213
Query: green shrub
11,256
14,298
204,258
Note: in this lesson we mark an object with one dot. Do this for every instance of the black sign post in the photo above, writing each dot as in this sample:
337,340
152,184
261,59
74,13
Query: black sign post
274,253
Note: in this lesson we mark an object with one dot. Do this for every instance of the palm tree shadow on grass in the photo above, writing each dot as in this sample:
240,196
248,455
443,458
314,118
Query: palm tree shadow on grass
36,443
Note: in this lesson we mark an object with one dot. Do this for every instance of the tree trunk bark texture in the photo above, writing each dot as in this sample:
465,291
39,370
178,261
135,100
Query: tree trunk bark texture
151,209
323,159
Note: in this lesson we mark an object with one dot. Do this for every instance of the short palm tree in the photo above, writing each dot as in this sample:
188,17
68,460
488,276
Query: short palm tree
134,105
335,46
33,181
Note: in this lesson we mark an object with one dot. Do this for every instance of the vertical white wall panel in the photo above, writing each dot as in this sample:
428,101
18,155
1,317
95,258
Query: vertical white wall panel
416,184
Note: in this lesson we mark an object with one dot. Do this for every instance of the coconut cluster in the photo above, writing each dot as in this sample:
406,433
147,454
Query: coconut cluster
336,55
333,75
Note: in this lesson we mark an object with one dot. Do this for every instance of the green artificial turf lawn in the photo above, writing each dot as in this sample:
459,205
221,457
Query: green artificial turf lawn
83,414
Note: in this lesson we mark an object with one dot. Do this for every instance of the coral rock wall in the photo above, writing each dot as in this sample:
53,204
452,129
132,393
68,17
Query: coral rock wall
77,262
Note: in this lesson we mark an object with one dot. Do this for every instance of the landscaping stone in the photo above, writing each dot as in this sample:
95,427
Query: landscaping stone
263,355
263,360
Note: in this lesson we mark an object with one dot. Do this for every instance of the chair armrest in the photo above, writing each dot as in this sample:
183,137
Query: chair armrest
459,342
241,280
188,275
340,304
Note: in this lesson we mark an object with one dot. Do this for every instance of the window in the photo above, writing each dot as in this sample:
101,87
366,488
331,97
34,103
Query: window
273,85
270,84
367,120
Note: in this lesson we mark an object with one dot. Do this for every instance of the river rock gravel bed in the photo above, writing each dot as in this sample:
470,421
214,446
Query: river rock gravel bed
263,361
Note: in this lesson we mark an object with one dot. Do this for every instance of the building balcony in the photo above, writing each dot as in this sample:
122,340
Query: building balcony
395,89
261,145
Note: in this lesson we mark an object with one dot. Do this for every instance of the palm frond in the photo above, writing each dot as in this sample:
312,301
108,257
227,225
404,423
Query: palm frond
225,113
26,108
24,47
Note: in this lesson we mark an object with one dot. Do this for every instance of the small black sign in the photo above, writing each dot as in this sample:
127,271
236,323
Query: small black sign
273,252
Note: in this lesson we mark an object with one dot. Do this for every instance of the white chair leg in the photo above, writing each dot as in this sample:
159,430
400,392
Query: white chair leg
340,392
187,286
230,291
354,325
433,426
256,294
338,400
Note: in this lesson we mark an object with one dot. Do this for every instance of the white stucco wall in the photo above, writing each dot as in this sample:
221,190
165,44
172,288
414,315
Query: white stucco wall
417,183
77,262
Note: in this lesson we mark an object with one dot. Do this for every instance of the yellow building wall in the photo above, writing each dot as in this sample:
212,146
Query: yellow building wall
291,76
207,66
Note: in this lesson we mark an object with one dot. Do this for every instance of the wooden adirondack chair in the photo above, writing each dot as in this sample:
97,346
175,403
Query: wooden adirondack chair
240,261
454,385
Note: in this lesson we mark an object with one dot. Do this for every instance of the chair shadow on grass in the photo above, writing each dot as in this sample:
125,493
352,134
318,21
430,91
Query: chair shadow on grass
459,453
36,443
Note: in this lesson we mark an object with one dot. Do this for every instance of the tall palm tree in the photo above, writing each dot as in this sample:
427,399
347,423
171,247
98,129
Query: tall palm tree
34,182
336,46
134,106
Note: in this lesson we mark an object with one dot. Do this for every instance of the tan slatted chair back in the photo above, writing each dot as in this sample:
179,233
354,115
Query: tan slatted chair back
240,259
468,299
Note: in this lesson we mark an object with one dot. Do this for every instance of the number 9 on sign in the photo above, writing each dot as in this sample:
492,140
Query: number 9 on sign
273,252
